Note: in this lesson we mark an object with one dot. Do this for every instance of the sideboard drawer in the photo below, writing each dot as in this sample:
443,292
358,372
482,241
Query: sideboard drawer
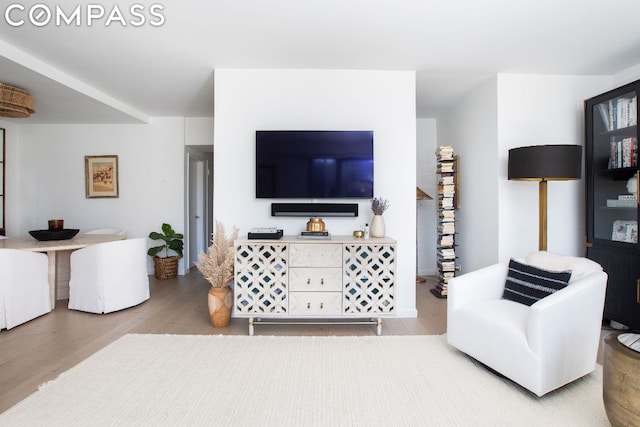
317,304
315,255
315,279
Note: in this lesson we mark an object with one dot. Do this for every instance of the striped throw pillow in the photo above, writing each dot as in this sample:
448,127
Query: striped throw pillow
527,284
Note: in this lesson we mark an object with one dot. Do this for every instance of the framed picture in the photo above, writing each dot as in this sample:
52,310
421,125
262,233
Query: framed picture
625,231
101,176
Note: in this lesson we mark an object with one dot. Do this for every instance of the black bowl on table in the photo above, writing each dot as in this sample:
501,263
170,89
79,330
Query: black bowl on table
64,234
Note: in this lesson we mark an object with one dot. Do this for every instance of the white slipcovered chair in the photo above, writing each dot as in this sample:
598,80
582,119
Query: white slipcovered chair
542,346
24,287
110,276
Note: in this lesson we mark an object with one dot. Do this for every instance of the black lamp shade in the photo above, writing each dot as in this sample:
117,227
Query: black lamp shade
545,162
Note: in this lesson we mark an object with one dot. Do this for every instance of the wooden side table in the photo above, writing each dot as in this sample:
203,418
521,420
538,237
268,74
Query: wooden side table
621,380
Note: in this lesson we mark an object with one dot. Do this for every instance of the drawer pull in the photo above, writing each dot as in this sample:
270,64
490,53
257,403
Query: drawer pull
308,281
308,305
322,281
321,305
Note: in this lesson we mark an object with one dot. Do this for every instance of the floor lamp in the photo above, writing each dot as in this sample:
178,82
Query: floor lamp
420,195
545,163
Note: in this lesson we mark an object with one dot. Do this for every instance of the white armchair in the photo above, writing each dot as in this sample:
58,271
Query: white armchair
541,347
109,276
24,287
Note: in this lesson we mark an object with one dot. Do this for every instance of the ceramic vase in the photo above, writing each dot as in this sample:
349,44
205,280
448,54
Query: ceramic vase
377,228
220,301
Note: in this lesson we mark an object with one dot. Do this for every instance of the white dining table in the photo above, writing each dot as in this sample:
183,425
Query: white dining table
52,248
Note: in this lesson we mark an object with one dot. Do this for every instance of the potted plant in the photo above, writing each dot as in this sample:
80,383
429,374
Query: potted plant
216,265
378,206
166,266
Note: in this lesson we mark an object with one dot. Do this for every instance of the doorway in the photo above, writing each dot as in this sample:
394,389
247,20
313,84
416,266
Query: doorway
199,203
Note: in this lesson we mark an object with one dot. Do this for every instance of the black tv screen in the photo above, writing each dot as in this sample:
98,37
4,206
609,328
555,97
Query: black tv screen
314,164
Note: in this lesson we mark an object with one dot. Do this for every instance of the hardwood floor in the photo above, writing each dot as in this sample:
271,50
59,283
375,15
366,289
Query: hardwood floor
39,350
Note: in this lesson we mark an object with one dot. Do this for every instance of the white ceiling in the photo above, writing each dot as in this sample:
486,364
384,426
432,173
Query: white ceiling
121,74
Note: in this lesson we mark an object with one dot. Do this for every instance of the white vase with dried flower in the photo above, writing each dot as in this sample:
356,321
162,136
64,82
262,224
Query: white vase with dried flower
378,206
216,265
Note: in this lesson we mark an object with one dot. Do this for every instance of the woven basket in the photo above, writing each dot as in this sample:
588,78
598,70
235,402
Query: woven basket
15,102
166,268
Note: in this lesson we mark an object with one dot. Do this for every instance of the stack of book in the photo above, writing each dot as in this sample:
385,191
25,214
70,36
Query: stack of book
623,201
317,235
623,152
446,255
619,113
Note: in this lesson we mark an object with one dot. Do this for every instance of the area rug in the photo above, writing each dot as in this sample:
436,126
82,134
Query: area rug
187,380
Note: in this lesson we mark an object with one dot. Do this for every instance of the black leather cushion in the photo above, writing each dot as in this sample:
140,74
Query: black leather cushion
527,284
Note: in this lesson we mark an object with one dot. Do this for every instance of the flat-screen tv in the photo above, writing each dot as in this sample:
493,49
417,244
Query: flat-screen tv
314,164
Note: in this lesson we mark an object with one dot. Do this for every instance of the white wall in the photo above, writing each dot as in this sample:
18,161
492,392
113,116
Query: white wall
198,131
471,129
498,218
427,141
628,75
49,172
538,110
383,101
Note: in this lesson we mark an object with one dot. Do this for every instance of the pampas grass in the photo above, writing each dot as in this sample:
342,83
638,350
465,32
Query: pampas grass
216,265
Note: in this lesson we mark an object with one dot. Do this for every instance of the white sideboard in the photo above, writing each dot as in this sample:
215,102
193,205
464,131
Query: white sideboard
342,278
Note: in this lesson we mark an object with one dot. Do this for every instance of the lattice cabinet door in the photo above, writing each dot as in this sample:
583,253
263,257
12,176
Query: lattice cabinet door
261,277
369,273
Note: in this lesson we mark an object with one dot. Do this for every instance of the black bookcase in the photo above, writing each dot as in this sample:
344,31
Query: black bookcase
611,121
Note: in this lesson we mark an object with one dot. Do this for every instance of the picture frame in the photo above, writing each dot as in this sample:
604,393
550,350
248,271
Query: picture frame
625,231
101,176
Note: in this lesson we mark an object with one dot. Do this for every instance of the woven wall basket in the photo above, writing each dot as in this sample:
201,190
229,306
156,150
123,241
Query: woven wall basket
166,268
15,102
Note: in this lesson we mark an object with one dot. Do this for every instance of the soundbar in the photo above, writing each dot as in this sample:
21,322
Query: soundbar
314,209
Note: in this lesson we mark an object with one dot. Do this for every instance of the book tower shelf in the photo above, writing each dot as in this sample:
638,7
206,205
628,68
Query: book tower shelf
447,170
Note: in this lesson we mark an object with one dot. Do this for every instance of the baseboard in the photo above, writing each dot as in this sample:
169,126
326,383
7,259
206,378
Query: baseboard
406,314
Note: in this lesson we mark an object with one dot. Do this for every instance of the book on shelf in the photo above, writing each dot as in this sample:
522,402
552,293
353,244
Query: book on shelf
442,289
446,180
617,203
446,265
445,241
447,189
446,253
442,284
623,152
445,203
447,227
619,113
447,214
444,152
444,167
445,276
